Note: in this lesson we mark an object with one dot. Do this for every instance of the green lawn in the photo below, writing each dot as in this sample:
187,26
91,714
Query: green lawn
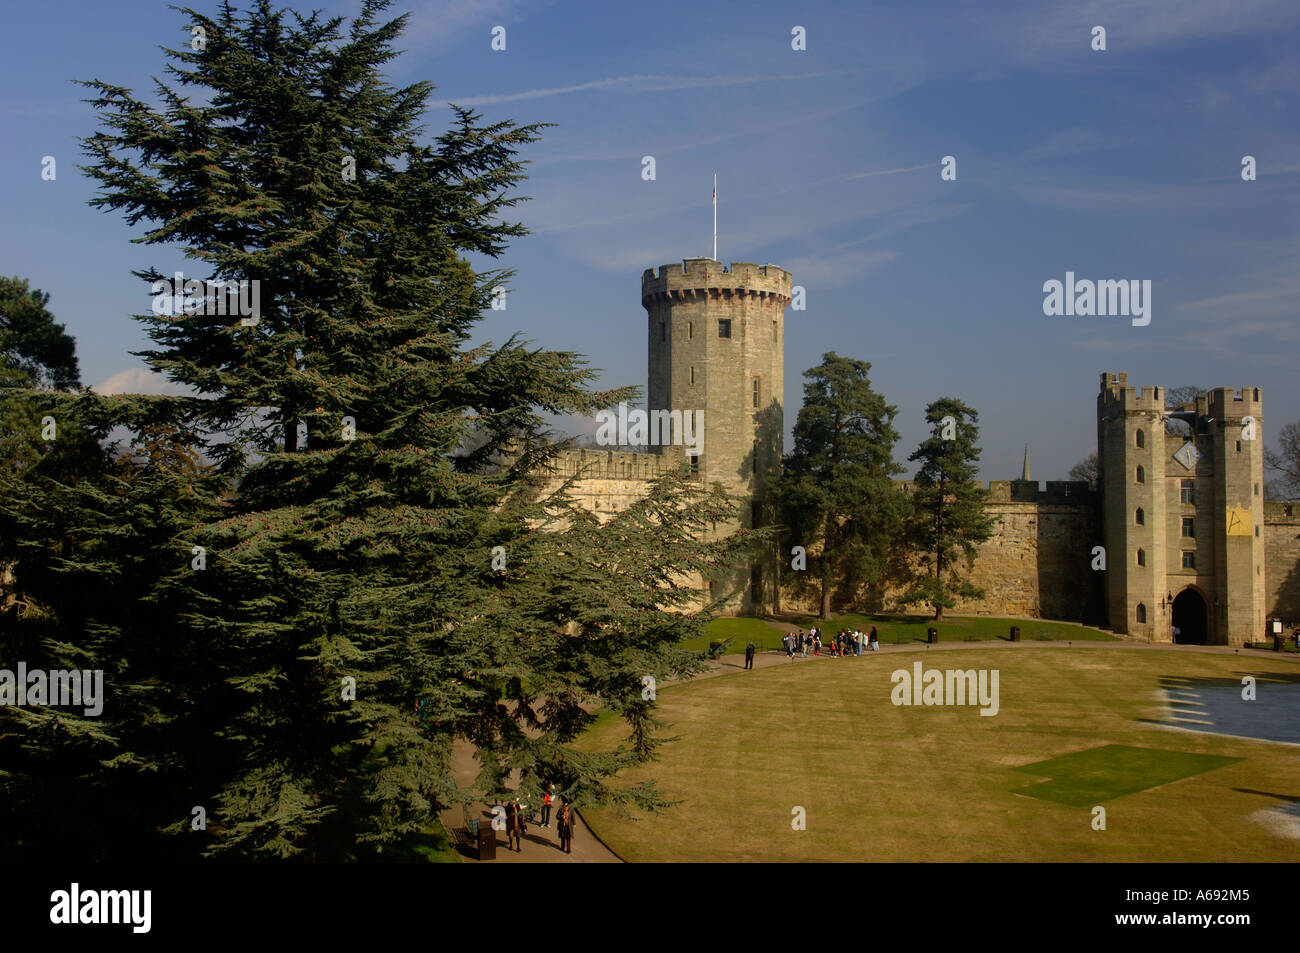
877,781
740,631
1101,774
897,629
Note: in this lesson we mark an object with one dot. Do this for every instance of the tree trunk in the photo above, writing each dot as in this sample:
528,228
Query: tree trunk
826,601
776,582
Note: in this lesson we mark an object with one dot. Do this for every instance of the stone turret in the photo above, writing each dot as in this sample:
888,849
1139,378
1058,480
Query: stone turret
716,344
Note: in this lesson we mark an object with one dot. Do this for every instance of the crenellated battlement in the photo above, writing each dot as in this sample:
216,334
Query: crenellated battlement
1027,491
1224,403
1118,396
588,464
704,276
1285,512
1221,403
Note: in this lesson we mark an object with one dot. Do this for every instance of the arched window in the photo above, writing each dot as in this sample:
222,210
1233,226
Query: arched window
1140,517
1141,474
1142,557
1140,437
1141,613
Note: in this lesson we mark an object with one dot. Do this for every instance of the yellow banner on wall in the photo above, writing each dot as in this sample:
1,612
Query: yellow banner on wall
1239,523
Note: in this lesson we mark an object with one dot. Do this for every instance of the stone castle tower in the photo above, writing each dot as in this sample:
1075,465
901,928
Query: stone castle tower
1182,514
717,345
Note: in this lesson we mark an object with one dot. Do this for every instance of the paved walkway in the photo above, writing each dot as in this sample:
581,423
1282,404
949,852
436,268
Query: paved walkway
541,845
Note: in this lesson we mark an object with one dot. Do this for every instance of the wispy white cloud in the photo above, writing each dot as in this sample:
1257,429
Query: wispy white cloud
838,268
643,84
441,22
1071,142
1053,37
702,142
744,197
138,380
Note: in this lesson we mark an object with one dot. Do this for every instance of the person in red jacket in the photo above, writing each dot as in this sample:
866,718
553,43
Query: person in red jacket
546,804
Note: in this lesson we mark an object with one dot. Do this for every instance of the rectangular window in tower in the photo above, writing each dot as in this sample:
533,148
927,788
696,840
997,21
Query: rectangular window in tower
755,392
695,463
756,457
1189,559
1189,527
690,330
774,332
692,373
724,327
1187,492
1239,446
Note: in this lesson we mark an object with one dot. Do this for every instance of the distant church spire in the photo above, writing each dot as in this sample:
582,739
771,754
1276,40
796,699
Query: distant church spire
1024,473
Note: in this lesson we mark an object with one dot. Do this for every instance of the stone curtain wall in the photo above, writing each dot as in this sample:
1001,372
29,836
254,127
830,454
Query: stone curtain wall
1039,560
609,480
1037,563
1282,561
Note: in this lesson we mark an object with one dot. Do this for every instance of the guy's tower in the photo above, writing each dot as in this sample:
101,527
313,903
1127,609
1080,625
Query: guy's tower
716,344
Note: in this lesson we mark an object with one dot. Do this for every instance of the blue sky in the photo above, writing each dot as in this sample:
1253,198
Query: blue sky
1117,164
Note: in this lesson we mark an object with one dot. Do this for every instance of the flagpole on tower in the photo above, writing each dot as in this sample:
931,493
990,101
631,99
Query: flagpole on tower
715,216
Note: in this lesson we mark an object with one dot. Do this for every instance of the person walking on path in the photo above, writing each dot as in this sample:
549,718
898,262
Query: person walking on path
514,826
565,826
788,641
875,640
817,645
546,804
749,655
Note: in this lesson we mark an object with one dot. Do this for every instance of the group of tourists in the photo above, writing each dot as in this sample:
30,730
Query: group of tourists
852,642
517,821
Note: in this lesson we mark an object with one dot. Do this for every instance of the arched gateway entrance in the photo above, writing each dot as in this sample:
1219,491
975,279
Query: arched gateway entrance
1190,618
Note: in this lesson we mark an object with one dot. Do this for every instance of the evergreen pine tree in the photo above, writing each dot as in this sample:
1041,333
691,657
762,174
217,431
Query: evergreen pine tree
836,489
948,506
348,623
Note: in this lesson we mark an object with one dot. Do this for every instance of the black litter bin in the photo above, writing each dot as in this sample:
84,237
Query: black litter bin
487,841
1015,633
933,634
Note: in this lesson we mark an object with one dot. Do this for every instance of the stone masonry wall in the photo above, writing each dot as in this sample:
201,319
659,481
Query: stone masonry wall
1037,563
1282,561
